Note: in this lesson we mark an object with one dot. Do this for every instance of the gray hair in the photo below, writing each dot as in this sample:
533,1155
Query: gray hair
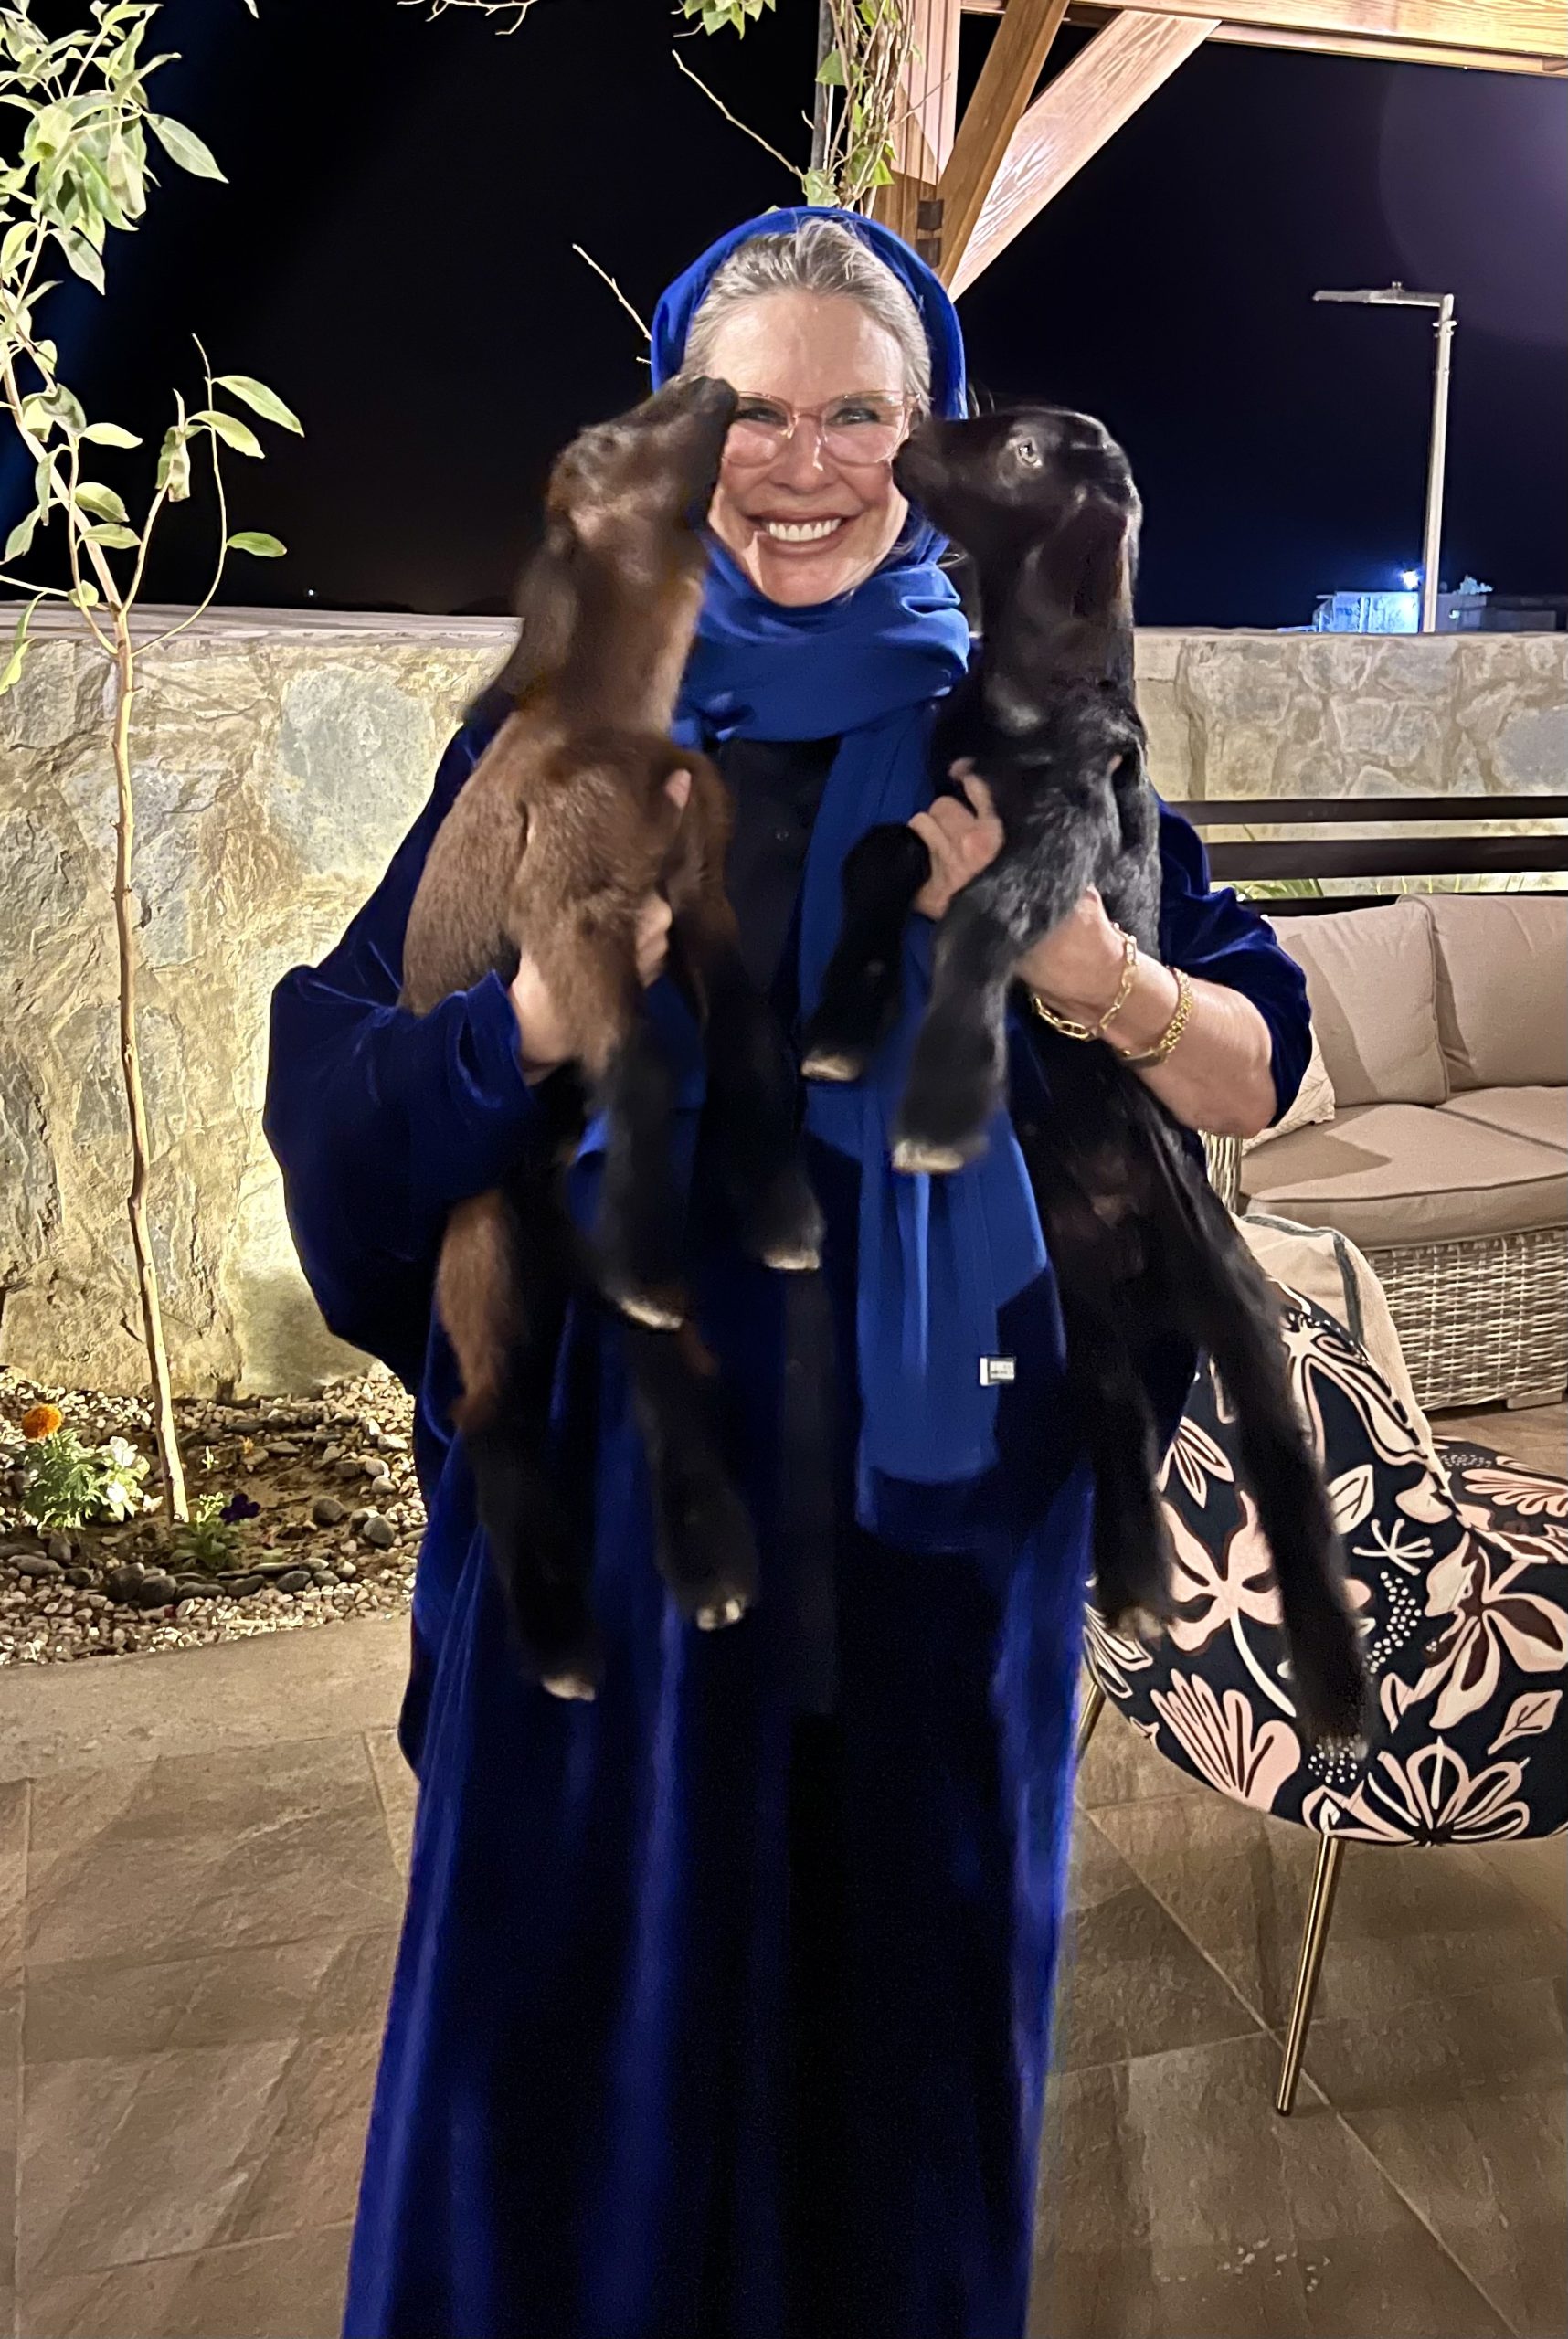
820,256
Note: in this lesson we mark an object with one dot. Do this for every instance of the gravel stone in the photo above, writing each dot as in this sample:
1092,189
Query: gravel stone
379,1532
327,1511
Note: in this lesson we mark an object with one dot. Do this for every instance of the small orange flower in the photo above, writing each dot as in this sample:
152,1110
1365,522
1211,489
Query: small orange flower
42,1421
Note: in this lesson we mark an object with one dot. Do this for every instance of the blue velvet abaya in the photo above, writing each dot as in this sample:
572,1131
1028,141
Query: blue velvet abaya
721,2007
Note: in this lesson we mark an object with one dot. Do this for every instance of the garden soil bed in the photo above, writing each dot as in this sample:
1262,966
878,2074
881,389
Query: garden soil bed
339,1518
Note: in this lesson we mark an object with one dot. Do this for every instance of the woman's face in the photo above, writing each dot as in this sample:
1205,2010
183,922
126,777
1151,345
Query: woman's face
802,350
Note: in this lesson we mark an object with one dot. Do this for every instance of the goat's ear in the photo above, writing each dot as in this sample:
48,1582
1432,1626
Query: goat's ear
547,608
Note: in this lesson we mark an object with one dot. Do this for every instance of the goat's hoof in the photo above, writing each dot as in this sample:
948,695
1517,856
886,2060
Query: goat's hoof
570,1683
659,1311
917,1159
722,1612
832,1063
793,1259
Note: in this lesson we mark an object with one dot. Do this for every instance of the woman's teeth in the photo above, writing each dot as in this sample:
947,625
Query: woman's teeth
799,532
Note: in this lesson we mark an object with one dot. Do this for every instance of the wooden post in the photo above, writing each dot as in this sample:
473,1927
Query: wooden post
1495,35
923,136
1005,89
1085,104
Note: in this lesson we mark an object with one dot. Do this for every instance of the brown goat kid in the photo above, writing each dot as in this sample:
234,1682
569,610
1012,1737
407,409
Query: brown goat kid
561,832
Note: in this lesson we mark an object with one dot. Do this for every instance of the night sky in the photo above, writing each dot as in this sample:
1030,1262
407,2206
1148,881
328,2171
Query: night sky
392,255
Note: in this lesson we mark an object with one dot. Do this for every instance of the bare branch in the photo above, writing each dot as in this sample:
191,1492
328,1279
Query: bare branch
734,118
606,278
515,9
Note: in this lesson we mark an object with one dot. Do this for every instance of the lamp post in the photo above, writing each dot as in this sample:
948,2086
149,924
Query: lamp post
1395,296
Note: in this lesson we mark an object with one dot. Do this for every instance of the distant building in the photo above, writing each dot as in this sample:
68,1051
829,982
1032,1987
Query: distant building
1469,608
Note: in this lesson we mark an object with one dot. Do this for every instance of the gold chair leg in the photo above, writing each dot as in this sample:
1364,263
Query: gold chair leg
1093,1705
1314,1940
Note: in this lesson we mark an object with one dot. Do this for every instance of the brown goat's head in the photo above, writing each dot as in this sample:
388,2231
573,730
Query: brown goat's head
624,513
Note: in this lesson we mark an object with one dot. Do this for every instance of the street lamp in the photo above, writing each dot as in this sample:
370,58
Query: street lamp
1395,296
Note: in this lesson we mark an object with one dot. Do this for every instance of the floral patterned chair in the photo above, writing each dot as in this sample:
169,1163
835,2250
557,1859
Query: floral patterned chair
1459,1576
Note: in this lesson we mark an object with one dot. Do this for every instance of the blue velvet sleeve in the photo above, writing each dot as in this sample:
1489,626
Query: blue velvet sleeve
1211,933
380,1119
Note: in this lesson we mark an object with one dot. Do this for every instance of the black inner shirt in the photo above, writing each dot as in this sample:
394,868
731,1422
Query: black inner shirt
775,786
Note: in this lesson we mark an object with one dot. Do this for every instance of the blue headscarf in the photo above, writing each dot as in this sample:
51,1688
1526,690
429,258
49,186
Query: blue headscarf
938,1257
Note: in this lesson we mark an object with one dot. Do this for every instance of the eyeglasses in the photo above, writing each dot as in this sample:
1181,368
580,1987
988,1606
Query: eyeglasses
851,430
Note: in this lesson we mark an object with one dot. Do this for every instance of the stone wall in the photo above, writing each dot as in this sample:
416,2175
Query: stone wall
279,759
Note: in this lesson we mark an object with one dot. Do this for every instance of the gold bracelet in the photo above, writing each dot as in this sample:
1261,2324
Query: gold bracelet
1074,1031
1185,1002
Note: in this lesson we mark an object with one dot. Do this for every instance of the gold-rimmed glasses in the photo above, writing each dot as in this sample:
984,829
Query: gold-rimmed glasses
858,428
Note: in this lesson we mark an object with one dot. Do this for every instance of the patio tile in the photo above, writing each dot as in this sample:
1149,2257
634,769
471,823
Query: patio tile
131,2157
1538,1868
269,2290
95,2007
1121,1766
399,1791
1176,2205
1462,2105
13,1872
1411,1923
10,2076
193,1853
1533,1435
1132,1982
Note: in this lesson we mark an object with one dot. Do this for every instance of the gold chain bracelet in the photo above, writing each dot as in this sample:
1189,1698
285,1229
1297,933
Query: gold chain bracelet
1074,1031
1185,1002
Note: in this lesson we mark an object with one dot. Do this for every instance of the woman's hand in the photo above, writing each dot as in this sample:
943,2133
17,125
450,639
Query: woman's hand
1077,967
961,839
544,1041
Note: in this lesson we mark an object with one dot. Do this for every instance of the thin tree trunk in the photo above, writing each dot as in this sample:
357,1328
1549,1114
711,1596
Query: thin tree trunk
173,1474
822,96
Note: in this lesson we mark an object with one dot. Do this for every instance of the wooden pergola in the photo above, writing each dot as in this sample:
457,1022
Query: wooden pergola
963,190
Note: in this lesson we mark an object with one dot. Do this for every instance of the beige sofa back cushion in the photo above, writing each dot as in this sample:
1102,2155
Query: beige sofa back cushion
1502,988
1372,978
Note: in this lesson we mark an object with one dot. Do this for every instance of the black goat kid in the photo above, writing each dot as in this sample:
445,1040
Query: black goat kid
1143,1251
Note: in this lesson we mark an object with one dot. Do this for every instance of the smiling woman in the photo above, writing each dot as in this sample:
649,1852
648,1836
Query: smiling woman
831,364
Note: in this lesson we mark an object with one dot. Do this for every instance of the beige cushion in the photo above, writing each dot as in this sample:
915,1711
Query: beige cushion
1539,1114
1372,978
1320,1263
1502,988
1314,1101
1396,1174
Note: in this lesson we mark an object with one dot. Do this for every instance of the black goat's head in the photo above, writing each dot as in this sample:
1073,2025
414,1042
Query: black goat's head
1042,501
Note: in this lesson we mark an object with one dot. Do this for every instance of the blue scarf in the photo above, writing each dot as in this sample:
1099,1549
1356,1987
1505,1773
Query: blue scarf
937,1258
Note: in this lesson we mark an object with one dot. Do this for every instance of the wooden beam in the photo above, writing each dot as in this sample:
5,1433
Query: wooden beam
923,137
1005,89
1085,104
1394,52
1465,31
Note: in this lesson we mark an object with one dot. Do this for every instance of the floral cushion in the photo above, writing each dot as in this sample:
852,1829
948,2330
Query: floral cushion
1459,1576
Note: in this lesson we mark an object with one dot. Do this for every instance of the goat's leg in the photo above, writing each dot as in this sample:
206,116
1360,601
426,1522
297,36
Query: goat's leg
958,1071
1132,1543
639,1235
1231,1314
752,1096
862,985
502,1288
706,1549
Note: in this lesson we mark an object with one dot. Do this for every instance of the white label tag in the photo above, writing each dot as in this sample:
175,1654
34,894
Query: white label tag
993,1369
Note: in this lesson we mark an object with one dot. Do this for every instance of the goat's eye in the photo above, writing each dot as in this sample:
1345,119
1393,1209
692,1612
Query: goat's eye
1028,453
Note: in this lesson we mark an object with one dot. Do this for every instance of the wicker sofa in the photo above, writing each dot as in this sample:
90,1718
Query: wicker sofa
1443,1152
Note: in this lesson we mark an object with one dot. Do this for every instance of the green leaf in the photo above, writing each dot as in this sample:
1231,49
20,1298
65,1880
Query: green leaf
262,400
117,538
109,434
257,541
101,502
233,433
831,71
81,255
175,465
184,147
84,595
818,188
19,647
19,543
12,248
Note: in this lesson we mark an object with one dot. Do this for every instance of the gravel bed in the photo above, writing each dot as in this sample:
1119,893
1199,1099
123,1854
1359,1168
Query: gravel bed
337,1531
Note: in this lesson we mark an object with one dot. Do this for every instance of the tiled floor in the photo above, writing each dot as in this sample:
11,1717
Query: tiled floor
201,1875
